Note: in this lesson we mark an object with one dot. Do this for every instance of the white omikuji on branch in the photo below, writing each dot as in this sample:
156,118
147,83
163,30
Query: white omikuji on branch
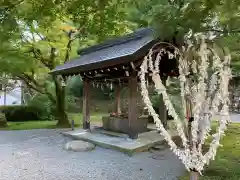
204,77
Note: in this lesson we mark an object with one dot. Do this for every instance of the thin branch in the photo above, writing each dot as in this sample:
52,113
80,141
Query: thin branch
36,87
13,5
31,79
171,2
52,58
33,37
36,52
32,86
225,31
39,35
24,39
181,3
39,57
69,44
28,82
67,54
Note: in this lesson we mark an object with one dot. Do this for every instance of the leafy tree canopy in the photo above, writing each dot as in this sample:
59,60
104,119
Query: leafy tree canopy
175,19
178,17
36,36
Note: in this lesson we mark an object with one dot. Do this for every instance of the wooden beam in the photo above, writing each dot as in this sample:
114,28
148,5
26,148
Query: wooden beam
162,110
86,104
132,107
118,99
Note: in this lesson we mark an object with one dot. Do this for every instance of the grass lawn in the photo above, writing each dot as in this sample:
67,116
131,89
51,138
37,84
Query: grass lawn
95,117
226,165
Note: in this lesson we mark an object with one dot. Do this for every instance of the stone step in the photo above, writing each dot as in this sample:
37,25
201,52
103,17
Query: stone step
144,142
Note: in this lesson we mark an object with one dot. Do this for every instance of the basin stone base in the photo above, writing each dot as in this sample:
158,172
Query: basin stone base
79,146
121,125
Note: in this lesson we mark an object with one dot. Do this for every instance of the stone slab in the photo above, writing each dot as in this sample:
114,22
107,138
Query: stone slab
144,142
121,125
110,133
79,146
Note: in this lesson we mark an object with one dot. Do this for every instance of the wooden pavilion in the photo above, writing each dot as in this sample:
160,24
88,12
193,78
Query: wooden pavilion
116,61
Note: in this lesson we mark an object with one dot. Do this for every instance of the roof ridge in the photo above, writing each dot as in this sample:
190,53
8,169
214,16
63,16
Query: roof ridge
118,40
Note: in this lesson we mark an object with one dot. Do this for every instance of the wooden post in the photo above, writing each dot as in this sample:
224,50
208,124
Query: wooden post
162,108
118,99
194,175
86,104
5,95
132,107
22,93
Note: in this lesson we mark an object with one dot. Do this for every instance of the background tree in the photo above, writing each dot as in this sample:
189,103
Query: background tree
42,35
175,19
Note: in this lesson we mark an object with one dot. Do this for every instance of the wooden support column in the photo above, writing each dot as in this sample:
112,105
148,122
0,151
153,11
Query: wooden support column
132,107
194,175
118,99
86,104
162,108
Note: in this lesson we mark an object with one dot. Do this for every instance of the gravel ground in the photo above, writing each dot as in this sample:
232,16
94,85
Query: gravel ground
39,155
235,117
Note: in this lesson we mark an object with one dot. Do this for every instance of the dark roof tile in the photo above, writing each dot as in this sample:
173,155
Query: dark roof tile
110,50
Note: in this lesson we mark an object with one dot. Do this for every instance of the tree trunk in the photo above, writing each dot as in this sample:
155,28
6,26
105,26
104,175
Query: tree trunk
22,93
3,121
61,114
194,175
5,95
162,110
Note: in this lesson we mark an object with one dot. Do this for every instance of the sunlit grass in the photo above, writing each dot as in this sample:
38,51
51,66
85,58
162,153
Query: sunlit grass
226,165
95,117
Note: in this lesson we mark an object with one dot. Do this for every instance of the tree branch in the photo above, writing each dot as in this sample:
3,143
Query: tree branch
52,58
37,52
13,5
38,55
27,78
171,2
39,35
225,31
35,86
69,45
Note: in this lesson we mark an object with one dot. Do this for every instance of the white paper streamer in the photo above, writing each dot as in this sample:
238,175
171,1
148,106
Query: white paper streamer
204,105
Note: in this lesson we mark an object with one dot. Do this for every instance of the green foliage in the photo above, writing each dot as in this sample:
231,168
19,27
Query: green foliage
45,33
71,104
103,94
226,164
75,88
16,113
26,125
232,43
155,100
98,19
45,107
175,99
3,121
175,18
96,117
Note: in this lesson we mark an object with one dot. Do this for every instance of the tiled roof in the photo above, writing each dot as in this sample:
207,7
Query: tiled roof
111,52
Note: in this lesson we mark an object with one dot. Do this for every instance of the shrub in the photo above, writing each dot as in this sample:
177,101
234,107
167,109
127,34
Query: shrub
17,113
75,88
44,106
71,104
3,121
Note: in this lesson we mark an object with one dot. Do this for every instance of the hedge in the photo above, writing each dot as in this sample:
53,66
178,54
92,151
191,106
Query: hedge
3,121
18,113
